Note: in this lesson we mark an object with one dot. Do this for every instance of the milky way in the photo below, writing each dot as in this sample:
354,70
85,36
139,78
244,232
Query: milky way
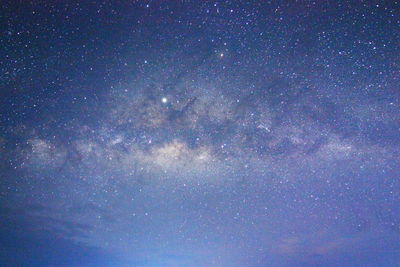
200,133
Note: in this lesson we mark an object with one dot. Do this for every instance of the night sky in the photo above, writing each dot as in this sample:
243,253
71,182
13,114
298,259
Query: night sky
199,133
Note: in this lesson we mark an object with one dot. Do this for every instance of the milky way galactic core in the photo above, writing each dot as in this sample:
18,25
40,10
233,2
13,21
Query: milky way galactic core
200,133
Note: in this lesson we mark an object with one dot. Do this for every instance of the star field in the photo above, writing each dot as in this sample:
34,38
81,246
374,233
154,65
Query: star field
200,133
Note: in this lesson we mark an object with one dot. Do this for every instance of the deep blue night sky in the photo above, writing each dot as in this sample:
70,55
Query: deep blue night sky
199,133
